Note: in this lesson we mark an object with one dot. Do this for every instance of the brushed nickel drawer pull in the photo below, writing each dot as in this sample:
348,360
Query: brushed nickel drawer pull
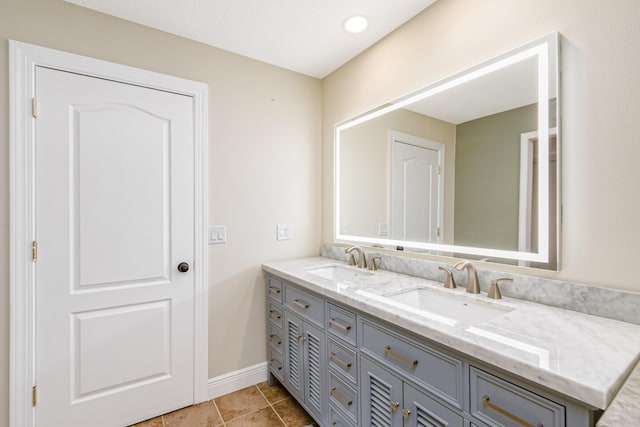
271,337
300,304
387,350
345,328
274,315
340,362
487,402
340,398
274,290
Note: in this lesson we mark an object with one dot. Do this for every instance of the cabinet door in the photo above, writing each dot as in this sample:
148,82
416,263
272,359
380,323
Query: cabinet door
381,402
422,411
293,355
315,371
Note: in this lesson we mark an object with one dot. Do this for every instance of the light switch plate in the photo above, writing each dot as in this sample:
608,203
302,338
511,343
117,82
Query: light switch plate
284,232
217,234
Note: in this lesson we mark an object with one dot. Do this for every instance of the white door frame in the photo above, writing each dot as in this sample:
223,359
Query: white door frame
526,190
23,60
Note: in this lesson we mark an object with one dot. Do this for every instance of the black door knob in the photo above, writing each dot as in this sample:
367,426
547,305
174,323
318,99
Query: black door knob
183,267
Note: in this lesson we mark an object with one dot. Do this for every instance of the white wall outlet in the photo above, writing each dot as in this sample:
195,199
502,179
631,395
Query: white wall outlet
217,234
383,229
284,232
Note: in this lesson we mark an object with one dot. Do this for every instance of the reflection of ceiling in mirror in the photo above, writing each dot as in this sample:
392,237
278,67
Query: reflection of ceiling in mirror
501,90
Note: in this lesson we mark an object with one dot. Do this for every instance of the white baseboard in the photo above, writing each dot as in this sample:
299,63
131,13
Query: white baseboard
237,380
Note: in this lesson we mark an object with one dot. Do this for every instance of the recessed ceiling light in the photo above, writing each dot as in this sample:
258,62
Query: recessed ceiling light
355,24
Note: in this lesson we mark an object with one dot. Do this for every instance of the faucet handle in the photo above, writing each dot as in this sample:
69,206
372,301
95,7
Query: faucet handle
372,262
449,281
352,258
494,290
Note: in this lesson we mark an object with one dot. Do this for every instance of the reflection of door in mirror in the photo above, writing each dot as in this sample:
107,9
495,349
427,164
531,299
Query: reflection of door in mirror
528,221
416,188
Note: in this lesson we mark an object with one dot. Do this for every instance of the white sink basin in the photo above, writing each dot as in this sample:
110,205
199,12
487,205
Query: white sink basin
452,306
341,273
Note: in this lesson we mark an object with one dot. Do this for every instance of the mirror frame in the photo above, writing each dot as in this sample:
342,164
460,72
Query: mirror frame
547,50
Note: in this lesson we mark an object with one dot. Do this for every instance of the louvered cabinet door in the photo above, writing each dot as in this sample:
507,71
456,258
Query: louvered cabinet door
422,411
293,355
315,369
381,400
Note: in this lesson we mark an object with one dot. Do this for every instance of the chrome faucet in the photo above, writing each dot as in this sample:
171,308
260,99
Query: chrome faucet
473,286
362,262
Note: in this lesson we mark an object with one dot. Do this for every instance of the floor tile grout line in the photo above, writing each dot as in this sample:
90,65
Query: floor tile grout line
224,424
248,413
272,408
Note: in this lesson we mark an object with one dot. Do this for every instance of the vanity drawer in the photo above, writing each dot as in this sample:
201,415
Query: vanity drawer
437,372
275,365
498,402
343,397
274,338
337,420
274,289
274,314
344,361
341,323
305,304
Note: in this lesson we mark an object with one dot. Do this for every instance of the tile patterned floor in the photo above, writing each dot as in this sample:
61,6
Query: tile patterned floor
260,405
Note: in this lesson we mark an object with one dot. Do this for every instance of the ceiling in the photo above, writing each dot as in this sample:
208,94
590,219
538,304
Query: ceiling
305,36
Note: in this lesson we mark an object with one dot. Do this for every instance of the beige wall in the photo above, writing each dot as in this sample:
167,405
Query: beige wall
488,178
600,104
487,186
264,148
366,152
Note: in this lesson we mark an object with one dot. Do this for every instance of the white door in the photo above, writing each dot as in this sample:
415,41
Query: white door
114,218
416,189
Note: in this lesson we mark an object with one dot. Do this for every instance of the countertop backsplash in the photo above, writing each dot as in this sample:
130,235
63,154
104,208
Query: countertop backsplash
603,302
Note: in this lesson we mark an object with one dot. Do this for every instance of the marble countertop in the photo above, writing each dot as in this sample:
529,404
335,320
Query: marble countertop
585,357
625,408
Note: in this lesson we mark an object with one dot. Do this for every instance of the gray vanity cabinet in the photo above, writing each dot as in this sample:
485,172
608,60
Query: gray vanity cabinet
304,362
305,366
343,366
275,322
387,400
349,369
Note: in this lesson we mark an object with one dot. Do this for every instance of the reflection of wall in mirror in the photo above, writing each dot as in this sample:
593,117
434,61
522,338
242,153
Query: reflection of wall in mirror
487,177
364,169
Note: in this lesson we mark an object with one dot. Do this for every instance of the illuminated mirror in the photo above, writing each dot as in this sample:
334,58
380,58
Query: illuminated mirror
467,167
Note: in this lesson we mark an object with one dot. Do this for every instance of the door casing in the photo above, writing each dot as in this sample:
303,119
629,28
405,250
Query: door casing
23,59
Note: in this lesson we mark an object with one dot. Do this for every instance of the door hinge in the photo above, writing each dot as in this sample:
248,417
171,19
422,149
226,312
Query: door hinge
34,395
439,169
34,251
34,107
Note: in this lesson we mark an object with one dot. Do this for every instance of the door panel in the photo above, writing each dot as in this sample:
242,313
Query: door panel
141,333
316,370
293,356
381,396
426,412
127,216
114,217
